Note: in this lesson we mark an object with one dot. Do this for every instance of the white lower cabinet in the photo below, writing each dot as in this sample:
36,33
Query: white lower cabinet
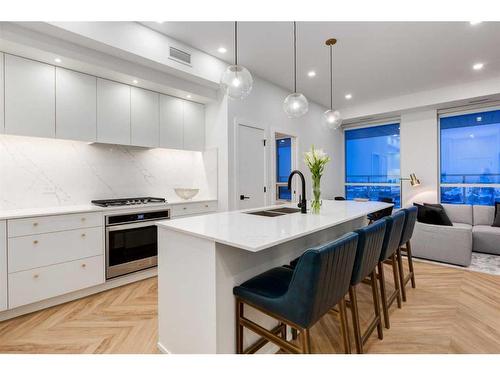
196,208
45,282
50,248
3,265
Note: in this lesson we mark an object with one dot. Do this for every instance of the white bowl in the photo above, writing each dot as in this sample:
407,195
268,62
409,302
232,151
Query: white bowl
186,193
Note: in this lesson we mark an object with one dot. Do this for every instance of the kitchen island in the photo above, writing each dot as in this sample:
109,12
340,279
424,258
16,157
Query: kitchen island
201,259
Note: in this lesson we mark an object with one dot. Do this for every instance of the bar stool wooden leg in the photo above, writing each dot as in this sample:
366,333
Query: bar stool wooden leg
294,334
239,327
306,341
355,319
410,264
401,274
383,294
376,305
395,274
344,327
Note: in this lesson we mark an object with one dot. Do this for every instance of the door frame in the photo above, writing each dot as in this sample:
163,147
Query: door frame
295,160
236,167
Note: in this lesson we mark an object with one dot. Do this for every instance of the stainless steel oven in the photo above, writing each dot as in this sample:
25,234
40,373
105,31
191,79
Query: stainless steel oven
132,242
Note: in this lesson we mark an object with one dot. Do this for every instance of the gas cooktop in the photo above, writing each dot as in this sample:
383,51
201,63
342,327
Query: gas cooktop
127,201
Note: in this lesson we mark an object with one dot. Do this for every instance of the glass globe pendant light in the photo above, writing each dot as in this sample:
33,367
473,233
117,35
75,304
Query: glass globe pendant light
236,80
295,104
332,117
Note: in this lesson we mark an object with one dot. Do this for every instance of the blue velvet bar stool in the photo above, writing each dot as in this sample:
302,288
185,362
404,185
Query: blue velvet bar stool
409,226
368,251
393,230
377,215
298,297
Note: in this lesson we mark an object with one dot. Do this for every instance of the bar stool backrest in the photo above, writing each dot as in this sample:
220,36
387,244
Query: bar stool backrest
321,279
368,250
411,218
393,230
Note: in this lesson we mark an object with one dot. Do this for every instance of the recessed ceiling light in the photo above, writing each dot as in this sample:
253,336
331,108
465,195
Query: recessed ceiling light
188,96
348,96
478,66
160,21
311,74
57,60
135,82
222,50
473,23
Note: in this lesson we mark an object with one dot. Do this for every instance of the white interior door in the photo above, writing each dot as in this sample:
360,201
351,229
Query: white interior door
251,167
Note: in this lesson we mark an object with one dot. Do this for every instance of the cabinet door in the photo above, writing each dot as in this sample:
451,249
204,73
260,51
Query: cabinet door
113,112
75,106
145,117
3,266
171,122
29,97
2,126
194,126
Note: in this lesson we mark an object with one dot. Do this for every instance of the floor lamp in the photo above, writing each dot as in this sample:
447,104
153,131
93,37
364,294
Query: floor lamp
414,181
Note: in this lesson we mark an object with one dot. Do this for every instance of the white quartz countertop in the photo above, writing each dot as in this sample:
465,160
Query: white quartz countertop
255,233
62,210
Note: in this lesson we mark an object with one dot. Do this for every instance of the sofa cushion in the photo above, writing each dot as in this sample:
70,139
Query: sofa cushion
430,214
486,239
483,215
459,213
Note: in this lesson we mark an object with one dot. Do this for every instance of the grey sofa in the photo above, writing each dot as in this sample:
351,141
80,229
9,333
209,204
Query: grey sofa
471,231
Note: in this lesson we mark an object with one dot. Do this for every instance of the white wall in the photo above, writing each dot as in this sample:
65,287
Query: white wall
419,155
38,172
264,108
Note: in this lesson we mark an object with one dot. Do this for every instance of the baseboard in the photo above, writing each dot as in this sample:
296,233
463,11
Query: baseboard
162,348
110,284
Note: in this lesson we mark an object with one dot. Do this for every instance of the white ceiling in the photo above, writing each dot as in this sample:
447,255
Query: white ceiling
372,60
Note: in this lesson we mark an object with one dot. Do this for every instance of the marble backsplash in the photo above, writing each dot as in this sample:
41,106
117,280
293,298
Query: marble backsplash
38,172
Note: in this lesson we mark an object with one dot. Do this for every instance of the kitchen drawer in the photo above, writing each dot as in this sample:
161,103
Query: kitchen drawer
45,282
55,223
193,208
50,248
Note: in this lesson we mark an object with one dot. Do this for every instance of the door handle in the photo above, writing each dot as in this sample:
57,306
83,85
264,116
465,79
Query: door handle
242,197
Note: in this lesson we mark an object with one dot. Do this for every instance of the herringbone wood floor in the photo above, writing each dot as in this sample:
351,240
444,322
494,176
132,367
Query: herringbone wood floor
451,311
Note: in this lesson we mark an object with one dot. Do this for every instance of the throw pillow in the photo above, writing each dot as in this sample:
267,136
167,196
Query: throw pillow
496,220
443,216
432,215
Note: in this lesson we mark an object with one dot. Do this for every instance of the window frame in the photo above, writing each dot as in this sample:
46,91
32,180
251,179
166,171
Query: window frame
459,112
383,122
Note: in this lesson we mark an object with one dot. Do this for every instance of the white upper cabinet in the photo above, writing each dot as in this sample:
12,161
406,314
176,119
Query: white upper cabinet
29,97
145,117
3,266
2,126
113,112
171,122
75,106
194,126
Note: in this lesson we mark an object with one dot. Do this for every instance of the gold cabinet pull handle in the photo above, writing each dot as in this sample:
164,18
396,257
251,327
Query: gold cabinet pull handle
35,224
83,219
35,242
35,276
83,235
84,265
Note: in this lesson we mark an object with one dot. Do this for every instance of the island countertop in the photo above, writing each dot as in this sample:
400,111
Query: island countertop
255,233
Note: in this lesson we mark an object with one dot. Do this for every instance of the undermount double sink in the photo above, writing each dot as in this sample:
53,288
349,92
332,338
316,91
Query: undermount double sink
275,212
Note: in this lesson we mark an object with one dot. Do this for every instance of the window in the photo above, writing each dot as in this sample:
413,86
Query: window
372,163
470,158
283,168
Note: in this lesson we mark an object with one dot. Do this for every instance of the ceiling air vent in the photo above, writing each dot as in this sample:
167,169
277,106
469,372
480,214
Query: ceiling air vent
180,56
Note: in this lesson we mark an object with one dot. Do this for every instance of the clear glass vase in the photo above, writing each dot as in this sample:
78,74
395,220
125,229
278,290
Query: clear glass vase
316,194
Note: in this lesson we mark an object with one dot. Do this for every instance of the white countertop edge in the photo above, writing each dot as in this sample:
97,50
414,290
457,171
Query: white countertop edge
23,213
165,224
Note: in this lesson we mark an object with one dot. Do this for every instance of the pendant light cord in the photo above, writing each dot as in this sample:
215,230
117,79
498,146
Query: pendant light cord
331,77
235,42
294,57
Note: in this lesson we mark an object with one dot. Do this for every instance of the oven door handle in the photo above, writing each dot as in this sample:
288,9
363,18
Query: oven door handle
117,227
